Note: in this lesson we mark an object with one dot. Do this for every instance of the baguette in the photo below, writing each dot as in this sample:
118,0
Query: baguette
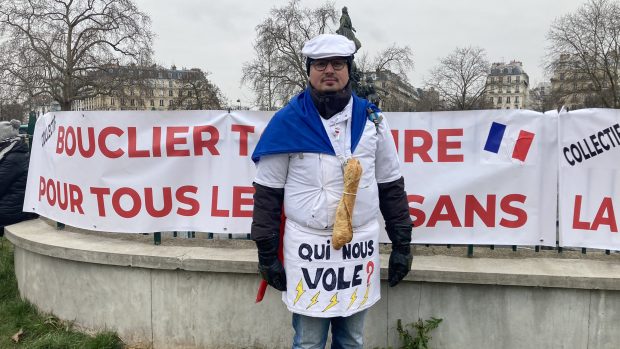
343,228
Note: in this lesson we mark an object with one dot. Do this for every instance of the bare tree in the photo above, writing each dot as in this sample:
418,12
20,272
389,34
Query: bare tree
262,74
460,78
196,92
20,74
12,110
389,67
278,71
584,55
396,59
57,47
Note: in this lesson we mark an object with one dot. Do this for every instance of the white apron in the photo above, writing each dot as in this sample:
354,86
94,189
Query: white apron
321,281
324,282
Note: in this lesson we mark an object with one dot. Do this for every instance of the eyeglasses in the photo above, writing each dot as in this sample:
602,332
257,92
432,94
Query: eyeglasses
337,64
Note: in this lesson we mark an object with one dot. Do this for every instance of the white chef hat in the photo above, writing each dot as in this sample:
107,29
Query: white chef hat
328,45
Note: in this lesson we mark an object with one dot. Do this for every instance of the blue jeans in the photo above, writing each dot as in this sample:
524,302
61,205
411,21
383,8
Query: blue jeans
311,332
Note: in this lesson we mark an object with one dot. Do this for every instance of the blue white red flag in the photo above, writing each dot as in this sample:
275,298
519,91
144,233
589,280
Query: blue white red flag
518,148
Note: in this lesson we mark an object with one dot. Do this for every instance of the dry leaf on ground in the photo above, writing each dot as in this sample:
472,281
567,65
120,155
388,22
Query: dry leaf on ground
16,337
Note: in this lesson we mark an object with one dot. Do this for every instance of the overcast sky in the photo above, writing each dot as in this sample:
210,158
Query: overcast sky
217,36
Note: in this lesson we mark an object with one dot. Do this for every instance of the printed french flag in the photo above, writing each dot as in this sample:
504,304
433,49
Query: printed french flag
521,145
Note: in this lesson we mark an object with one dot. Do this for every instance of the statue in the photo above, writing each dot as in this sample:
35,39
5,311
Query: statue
346,28
363,89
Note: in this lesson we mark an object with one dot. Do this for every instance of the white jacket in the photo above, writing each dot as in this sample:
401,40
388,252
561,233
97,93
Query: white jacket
313,183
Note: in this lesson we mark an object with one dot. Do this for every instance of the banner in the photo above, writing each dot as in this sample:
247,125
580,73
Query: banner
589,194
145,171
477,177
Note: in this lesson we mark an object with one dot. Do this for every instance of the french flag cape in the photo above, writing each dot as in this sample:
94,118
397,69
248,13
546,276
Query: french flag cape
297,128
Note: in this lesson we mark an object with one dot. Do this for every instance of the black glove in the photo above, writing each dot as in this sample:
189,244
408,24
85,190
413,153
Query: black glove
269,266
266,233
400,263
395,210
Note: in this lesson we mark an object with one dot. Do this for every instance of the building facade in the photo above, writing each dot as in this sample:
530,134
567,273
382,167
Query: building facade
147,88
394,92
507,86
575,85
540,97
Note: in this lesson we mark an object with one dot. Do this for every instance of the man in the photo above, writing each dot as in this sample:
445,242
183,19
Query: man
14,155
300,159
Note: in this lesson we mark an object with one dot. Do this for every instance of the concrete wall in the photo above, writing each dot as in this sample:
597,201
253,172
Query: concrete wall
203,297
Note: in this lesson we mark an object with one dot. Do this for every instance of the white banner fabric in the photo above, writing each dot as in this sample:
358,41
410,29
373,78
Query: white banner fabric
145,171
589,192
476,177
480,177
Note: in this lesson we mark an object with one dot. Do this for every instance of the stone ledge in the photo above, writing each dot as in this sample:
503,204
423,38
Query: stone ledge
40,237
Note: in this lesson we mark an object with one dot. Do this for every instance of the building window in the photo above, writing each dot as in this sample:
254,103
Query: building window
516,99
499,99
509,78
161,102
132,102
152,103
517,89
518,78
170,102
122,101
170,83
508,99
491,100
169,93
112,101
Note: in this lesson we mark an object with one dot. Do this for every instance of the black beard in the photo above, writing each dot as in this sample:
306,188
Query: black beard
330,103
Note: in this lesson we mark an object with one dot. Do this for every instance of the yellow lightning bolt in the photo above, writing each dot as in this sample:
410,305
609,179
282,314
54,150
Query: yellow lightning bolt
300,291
332,302
353,298
314,299
365,296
